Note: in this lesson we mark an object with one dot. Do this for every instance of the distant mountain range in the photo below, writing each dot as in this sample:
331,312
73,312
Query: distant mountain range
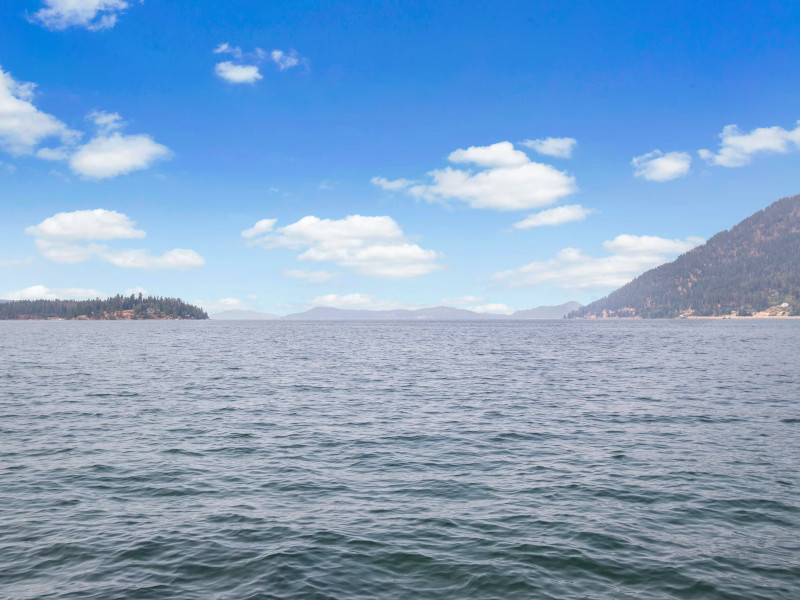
753,267
243,315
438,313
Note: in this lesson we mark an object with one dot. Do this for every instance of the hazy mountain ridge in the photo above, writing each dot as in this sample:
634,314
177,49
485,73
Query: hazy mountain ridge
243,315
437,313
749,268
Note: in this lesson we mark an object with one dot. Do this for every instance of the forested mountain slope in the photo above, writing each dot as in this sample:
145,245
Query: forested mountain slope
749,268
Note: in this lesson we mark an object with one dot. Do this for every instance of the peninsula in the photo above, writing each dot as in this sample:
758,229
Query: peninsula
116,308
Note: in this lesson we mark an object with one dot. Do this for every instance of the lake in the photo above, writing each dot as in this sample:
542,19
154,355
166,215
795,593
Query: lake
553,459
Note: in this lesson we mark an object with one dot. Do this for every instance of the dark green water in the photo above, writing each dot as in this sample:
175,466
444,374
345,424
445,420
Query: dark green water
609,460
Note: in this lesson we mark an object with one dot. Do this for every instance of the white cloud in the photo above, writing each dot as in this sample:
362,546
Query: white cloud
23,126
260,228
110,153
573,270
555,216
179,258
358,302
244,68
223,304
631,245
285,60
98,224
551,146
391,184
737,148
234,73
310,276
493,309
226,48
657,166
501,154
62,238
509,180
461,300
374,246
40,292
91,14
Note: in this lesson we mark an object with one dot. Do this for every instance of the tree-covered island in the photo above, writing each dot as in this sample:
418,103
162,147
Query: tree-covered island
116,308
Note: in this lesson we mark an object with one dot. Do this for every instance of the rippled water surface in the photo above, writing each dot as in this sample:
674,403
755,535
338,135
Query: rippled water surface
613,460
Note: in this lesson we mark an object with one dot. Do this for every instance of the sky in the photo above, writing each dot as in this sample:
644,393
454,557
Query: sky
276,156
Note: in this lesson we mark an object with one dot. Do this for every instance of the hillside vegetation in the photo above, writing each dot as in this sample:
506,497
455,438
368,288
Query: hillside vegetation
749,268
115,308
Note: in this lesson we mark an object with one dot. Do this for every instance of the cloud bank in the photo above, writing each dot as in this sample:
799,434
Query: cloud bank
244,66
571,269
373,246
551,146
555,216
70,238
657,166
738,148
503,178
93,15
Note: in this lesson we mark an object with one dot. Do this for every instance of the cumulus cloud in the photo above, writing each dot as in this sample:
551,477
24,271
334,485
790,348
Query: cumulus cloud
552,146
374,246
244,68
571,269
391,184
110,153
555,216
285,60
23,126
234,73
649,244
737,148
40,292
358,302
260,228
179,258
657,166
69,238
501,154
310,276
84,225
91,14
505,179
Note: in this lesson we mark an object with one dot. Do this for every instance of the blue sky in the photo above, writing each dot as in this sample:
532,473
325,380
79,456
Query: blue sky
140,140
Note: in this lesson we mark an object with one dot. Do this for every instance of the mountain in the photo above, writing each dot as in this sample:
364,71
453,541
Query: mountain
751,267
438,313
547,312
243,315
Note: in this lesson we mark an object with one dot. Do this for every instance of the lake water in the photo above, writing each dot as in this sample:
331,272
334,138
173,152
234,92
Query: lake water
602,460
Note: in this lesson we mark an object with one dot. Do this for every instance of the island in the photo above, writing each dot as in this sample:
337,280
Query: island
116,308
